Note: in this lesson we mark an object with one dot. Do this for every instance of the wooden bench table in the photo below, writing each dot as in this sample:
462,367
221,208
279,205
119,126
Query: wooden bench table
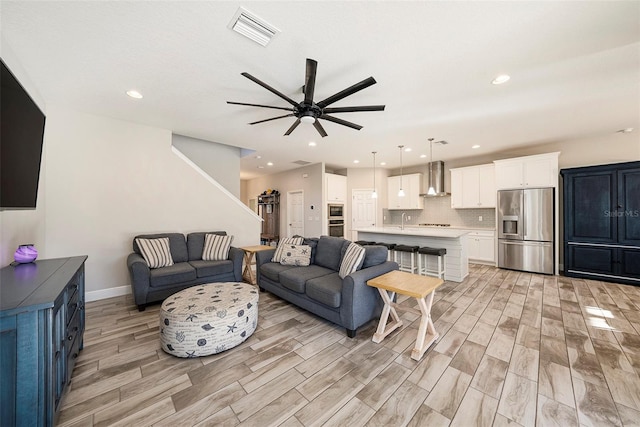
249,261
422,288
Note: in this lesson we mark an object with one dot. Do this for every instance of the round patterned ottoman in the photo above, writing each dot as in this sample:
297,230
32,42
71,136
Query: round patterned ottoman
208,319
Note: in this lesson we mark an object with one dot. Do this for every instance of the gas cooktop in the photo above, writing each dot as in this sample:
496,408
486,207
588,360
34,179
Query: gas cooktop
435,225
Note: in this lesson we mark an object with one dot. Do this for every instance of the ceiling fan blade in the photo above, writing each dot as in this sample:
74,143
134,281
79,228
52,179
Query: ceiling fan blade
259,105
340,122
310,80
293,126
270,89
319,128
348,91
354,109
272,118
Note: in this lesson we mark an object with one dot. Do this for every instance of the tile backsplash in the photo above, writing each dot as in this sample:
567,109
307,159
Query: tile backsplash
437,210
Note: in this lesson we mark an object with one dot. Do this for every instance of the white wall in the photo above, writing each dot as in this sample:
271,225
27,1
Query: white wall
293,180
108,180
219,161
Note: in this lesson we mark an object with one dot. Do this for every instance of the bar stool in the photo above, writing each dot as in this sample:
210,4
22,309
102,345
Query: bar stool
412,251
364,242
390,250
423,261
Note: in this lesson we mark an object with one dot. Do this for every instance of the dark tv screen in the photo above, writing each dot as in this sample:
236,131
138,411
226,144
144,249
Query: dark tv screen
21,138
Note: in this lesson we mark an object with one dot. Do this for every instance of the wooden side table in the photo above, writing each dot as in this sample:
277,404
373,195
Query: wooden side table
422,288
249,260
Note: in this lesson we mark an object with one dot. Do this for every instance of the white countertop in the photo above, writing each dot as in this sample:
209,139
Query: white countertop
453,227
447,232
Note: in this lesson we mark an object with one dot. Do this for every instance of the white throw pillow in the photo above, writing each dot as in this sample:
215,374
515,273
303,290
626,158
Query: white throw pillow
216,247
277,256
155,252
299,255
353,258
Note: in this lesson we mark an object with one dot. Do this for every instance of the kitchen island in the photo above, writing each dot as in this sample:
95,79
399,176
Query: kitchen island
455,241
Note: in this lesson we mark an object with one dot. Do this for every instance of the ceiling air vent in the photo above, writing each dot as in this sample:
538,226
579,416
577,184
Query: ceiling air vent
302,162
253,27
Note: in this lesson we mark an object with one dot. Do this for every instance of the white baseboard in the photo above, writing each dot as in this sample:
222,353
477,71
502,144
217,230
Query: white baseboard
107,293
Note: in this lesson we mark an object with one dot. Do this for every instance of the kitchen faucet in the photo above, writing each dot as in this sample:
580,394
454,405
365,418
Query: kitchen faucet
402,220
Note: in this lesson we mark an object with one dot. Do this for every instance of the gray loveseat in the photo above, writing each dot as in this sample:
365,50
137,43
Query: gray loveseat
154,285
318,288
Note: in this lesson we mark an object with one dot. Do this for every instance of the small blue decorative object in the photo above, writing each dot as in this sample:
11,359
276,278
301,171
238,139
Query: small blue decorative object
25,254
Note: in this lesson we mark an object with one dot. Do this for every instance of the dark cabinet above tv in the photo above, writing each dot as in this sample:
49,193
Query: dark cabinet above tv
602,222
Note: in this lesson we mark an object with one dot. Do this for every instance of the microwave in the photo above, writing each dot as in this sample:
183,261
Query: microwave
336,211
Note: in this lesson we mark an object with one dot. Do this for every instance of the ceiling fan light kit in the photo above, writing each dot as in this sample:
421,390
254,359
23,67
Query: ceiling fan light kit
308,111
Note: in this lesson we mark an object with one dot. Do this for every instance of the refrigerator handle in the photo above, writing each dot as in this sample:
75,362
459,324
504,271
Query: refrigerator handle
523,243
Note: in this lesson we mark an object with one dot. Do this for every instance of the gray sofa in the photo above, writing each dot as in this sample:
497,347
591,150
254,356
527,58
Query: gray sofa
318,288
154,285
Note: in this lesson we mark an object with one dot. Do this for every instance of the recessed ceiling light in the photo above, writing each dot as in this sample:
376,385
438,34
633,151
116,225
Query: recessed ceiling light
258,157
312,144
626,130
260,167
356,161
269,163
383,163
134,94
503,78
422,156
406,150
475,146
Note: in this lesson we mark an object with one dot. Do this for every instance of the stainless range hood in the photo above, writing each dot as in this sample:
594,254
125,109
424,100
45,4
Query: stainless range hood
436,179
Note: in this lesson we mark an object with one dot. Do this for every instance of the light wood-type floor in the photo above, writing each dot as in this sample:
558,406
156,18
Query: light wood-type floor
515,349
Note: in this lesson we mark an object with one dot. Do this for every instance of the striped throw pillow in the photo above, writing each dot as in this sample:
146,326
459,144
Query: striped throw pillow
216,247
155,252
282,244
352,259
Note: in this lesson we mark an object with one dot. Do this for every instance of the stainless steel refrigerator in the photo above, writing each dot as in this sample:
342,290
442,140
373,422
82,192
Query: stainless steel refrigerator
526,230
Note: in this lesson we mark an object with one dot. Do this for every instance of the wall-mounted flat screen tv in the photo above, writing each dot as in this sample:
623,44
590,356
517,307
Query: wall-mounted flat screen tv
22,132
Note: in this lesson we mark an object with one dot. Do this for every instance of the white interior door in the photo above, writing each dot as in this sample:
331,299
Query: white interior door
295,213
363,211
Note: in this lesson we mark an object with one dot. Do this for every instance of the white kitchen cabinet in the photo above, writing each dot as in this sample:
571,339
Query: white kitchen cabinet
482,246
336,188
527,172
412,186
473,187
456,188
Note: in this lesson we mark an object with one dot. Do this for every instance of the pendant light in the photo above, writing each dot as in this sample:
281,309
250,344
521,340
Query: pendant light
431,191
401,192
374,195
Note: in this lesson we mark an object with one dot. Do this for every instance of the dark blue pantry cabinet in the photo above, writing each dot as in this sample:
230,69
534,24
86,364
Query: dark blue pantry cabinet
41,330
602,222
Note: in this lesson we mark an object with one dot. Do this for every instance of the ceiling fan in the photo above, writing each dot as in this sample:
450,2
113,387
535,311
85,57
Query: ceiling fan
308,111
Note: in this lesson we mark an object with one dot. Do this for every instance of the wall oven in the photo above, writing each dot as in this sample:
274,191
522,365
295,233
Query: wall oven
336,227
336,211
335,220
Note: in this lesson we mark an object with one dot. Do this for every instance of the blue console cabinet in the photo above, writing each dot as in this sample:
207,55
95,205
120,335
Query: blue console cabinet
602,222
41,332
